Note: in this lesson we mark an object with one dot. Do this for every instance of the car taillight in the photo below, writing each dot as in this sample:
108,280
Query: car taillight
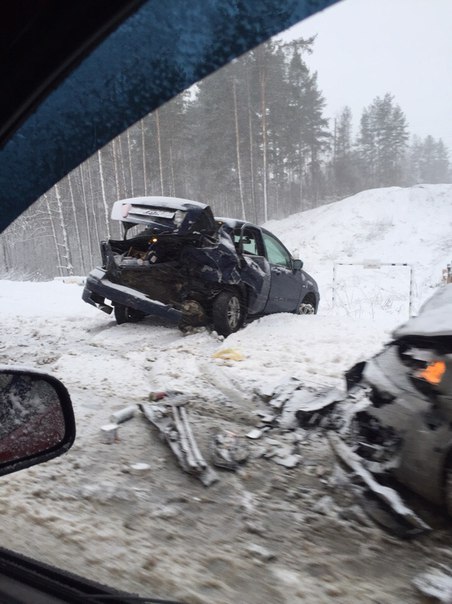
125,210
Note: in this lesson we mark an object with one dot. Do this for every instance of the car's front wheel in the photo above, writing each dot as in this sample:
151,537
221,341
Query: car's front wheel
125,314
227,313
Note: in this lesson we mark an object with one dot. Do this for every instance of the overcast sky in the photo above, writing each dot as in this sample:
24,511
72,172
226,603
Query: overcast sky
365,48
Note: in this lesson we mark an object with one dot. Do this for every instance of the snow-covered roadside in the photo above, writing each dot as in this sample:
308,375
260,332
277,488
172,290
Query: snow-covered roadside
86,348
409,225
265,534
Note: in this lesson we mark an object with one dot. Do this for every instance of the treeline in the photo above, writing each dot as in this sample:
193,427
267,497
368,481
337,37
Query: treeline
252,140
380,156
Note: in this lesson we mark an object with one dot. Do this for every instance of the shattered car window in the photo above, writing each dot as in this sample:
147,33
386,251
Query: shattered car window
248,241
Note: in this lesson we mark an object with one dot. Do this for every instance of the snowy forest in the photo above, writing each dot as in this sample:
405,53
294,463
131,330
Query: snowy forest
252,140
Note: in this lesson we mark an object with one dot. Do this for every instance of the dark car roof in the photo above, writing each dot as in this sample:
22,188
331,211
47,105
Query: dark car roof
235,223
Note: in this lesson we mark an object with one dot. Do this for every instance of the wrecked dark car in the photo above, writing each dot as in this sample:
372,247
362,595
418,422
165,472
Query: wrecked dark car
400,410
176,260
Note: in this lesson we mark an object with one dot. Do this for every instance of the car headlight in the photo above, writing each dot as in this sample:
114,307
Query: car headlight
179,217
433,373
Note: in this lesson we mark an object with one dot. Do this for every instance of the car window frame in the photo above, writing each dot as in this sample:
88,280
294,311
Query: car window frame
257,236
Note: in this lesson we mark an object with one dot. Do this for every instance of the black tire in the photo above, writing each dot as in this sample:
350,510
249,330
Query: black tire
125,314
227,313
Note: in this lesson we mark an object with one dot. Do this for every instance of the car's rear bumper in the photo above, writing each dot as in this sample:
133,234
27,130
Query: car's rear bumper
99,290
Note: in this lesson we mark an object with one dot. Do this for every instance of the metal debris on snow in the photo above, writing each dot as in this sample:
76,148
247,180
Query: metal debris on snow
139,468
170,416
266,418
289,461
228,452
325,506
435,584
118,417
255,433
301,405
109,433
389,496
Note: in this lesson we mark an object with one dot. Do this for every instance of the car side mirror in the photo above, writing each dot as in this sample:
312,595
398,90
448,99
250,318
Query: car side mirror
297,264
36,419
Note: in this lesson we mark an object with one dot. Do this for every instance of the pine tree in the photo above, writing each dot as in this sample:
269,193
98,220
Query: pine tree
212,135
382,142
428,161
434,161
306,129
344,158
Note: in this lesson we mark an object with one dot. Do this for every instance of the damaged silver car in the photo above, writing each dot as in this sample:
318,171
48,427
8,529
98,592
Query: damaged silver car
176,260
401,401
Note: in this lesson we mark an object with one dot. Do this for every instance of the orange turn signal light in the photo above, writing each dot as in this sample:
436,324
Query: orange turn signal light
434,372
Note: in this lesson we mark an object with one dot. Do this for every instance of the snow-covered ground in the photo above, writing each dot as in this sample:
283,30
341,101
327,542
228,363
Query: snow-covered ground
266,533
403,226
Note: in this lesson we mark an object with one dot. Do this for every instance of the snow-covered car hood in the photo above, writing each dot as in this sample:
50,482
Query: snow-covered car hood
434,318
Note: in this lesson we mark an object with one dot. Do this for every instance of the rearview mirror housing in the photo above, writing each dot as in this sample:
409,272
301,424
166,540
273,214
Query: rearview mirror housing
297,264
36,419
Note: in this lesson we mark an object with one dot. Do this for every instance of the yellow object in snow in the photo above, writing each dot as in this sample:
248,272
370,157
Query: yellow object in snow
229,354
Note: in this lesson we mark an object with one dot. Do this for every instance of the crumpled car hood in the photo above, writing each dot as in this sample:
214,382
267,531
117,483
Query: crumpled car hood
434,318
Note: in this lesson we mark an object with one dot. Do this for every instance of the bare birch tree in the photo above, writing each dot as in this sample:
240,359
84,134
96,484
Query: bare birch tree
251,149
115,167
159,148
237,147
173,181
94,229
85,207
76,227
129,153
264,130
54,235
104,198
121,158
143,157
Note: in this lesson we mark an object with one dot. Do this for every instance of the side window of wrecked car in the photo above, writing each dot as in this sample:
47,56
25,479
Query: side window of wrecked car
276,252
250,244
